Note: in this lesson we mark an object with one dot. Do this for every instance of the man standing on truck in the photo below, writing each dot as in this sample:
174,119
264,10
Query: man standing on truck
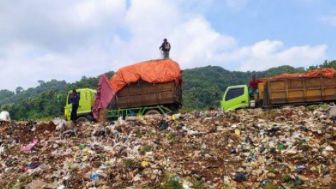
165,48
253,85
74,100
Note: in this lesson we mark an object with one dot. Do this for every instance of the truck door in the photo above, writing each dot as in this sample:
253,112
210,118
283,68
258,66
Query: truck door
67,107
235,97
82,101
85,102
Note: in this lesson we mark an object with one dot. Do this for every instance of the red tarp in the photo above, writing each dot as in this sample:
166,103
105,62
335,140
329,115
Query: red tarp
322,72
152,71
103,96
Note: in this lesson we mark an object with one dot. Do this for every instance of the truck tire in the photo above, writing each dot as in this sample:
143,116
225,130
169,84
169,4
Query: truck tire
89,117
82,119
152,112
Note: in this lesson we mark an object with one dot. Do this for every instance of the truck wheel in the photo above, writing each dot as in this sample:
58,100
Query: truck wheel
89,117
152,112
82,120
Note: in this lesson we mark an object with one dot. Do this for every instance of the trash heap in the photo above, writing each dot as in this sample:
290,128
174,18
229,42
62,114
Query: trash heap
291,147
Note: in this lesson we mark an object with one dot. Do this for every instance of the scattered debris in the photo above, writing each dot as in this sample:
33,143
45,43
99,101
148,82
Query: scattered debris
28,148
60,124
291,147
4,116
240,177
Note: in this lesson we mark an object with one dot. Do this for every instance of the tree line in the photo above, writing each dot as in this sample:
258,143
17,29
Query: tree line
203,88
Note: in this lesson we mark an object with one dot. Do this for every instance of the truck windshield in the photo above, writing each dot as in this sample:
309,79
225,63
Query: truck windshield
233,93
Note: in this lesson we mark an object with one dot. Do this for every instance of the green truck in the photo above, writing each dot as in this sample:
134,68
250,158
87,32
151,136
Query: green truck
274,92
140,98
235,97
84,112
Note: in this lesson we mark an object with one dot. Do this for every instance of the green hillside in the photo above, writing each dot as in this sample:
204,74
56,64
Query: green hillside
202,88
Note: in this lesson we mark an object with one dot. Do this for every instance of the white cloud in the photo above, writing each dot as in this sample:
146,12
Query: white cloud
266,54
68,39
329,20
59,25
94,12
196,43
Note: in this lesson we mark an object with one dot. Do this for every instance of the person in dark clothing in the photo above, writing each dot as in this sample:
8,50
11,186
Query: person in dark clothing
74,100
253,85
165,48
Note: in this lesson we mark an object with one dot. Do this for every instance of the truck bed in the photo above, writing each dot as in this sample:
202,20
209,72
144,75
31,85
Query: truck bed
141,94
299,90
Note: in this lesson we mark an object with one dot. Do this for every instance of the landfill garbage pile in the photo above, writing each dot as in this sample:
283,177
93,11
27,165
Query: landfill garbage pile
291,147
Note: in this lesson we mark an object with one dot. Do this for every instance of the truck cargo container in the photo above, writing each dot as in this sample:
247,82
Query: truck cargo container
148,94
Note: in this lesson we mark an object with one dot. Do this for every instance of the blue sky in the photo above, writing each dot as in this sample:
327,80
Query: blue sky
292,21
44,39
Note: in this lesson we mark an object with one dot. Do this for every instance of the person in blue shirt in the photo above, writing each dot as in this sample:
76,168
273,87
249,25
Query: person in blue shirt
74,100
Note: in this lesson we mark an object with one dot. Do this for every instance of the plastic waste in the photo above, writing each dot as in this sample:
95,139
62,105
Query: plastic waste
69,133
237,132
176,116
145,164
94,176
291,147
28,148
163,125
5,116
33,165
300,168
81,146
281,147
240,177
60,124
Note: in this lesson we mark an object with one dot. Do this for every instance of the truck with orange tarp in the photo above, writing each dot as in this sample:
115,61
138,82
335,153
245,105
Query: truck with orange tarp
149,87
302,88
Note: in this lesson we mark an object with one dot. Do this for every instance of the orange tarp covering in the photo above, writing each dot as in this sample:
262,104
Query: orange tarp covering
152,71
322,72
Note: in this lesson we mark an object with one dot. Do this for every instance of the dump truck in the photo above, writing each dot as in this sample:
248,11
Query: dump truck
150,87
287,89
136,99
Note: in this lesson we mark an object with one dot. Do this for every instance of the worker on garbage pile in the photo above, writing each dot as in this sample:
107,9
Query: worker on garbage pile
165,48
253,85
74,100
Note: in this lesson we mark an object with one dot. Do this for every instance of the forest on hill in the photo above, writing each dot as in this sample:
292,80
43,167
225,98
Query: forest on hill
203,88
